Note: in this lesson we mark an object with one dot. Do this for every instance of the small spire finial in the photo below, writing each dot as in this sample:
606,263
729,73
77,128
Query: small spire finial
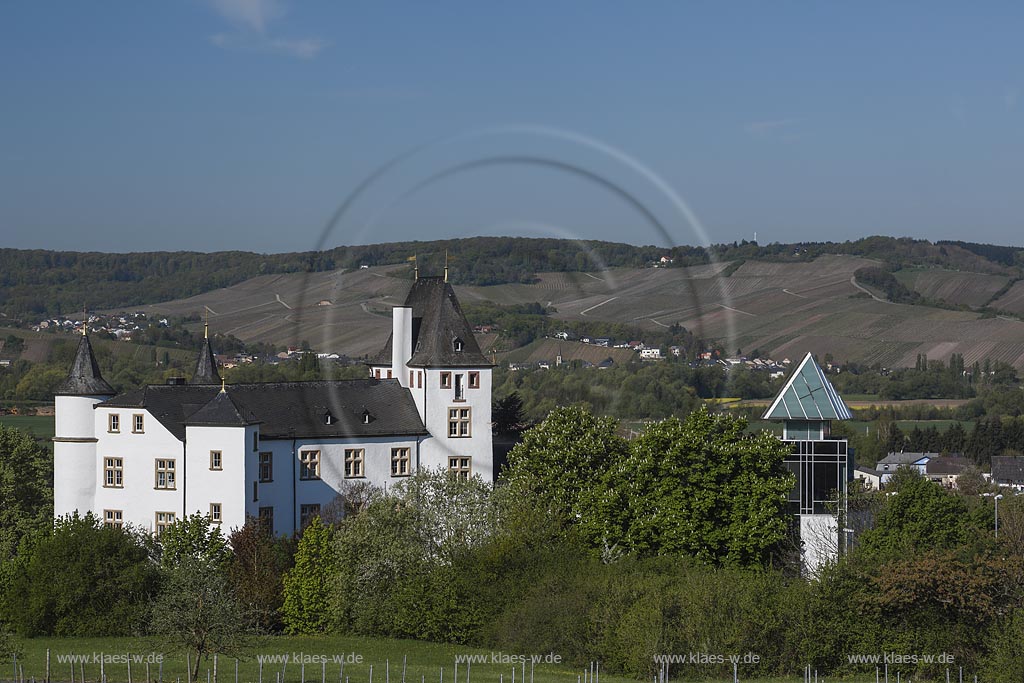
223,386
206,323
85,320
446,265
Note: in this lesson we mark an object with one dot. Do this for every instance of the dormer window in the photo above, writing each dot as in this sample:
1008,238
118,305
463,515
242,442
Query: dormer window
328,418
457,344
367,417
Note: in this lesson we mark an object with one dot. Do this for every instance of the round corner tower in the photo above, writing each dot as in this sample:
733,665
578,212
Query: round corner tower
74,441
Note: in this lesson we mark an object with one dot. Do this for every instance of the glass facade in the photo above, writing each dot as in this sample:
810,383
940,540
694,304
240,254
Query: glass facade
822,470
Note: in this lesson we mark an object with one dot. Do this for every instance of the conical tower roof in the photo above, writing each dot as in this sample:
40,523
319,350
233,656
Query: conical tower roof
206,366
441,335
808,395
84,379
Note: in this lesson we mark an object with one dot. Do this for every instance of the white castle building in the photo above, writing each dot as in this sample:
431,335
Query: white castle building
280,451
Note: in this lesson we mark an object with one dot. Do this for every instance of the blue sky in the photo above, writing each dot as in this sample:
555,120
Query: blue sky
244,124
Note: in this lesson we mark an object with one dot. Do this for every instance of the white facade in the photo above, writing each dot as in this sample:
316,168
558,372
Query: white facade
438,391
130,465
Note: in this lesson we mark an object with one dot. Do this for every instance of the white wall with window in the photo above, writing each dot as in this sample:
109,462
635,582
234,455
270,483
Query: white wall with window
135,454
225,486
455,405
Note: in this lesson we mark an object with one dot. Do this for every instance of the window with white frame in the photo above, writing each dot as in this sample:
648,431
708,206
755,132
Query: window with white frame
113,519
309,465
266,466
215,460
138,424
353,463
460,466
399,462
266,517
164,471
458,423
113,423
215,513
113,473
163,520
307,512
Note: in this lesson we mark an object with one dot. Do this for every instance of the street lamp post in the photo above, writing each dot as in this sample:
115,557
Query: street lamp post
997,499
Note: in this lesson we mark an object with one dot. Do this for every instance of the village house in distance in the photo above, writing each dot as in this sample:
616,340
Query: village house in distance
280,451
806,405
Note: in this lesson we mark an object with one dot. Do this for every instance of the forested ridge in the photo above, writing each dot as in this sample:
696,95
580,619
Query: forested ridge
41,282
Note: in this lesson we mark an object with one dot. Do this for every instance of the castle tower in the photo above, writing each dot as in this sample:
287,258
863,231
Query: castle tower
806,405
74,442
433,353
206,363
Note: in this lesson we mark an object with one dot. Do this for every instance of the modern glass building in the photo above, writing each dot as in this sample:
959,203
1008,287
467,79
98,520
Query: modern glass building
806,406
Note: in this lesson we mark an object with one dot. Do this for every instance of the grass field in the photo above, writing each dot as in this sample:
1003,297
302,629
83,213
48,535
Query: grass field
41,426
423,662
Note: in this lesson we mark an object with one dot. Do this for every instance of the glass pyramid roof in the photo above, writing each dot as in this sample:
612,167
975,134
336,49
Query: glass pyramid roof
808,395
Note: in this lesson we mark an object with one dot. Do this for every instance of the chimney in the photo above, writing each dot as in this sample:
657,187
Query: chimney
401,342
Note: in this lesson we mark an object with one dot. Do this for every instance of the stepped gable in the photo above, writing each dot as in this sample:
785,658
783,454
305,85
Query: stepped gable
84,378
438,323
808,395
320,409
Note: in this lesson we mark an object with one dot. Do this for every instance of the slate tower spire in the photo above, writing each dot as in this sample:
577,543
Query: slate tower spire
206,364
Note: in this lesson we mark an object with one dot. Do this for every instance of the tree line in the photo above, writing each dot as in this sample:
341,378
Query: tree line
52,283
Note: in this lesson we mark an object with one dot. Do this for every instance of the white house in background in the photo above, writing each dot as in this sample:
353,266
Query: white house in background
888,465
280,450
871,478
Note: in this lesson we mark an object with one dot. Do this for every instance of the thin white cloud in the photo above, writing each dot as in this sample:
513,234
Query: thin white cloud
253,15
252,20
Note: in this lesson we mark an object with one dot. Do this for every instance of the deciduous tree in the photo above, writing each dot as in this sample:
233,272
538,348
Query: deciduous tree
307,585
26,488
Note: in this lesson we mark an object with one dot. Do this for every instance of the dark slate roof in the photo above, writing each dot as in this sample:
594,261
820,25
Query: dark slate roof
1008,468
206,366
285,409
907,458
221,411
947,464
84,379
808,395
437,321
